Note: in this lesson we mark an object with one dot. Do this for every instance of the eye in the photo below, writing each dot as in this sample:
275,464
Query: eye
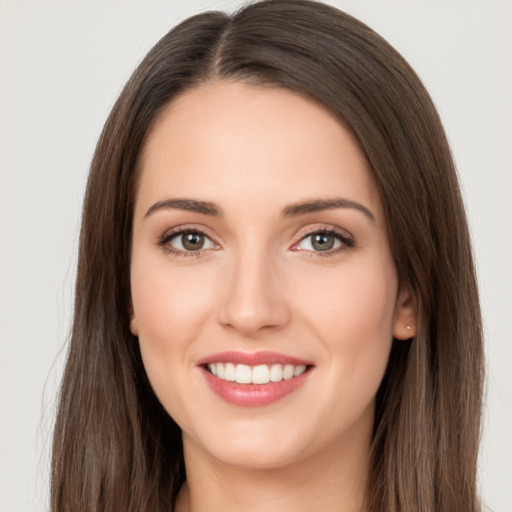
185,242
324,241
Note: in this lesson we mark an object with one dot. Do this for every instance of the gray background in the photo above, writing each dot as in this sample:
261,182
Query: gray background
63,63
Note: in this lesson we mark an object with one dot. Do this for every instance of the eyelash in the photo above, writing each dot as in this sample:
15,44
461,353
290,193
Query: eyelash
164,242
347,241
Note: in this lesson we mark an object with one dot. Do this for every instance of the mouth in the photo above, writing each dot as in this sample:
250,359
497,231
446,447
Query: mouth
254,379
260,374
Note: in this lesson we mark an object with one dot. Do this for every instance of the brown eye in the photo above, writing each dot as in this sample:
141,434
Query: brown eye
187,241
192,241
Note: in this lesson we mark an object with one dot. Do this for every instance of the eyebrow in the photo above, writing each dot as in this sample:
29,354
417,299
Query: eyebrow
292,210
318,205
190,205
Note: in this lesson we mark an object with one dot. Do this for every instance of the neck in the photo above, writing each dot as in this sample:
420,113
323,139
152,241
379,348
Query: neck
332,480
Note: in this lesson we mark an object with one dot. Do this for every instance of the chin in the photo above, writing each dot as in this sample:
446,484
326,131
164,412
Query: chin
242,455
250,447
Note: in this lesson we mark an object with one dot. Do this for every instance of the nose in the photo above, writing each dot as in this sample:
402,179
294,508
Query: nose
253,297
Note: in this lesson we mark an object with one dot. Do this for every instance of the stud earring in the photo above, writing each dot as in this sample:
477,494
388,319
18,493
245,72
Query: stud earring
408,327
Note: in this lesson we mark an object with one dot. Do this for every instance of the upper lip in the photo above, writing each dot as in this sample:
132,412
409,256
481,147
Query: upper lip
252,358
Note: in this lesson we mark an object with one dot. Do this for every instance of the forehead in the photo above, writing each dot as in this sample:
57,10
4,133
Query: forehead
227,141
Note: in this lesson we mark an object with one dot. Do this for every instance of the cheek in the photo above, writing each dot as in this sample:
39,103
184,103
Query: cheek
351,312
358,297
168,307
166,299
351,316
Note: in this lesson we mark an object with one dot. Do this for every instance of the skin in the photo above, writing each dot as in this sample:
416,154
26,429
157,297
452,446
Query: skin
260,285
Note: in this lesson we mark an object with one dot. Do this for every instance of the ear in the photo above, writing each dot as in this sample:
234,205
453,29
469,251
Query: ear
133,320
406,316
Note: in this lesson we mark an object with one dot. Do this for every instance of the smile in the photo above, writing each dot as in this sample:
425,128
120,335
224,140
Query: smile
254,379
261,374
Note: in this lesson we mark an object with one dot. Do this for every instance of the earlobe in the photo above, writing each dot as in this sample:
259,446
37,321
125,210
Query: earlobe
404,331
133,321
133,326
406,316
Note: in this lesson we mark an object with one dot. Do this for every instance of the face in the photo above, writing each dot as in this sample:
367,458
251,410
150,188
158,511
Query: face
264,294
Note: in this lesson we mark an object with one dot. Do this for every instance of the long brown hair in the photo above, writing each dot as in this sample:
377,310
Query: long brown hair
115,448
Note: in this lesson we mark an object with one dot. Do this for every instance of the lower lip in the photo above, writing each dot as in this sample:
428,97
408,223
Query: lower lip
253,395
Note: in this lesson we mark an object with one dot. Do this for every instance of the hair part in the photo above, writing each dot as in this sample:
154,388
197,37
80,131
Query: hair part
115,447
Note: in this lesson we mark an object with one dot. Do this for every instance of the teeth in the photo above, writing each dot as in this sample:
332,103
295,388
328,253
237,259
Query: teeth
276,373
299,370
288,371
261,374
243,374
217,370
230,372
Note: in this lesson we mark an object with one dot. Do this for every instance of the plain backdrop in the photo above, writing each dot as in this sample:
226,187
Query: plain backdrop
62,65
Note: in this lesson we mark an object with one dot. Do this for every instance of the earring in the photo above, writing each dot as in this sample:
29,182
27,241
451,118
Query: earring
408,327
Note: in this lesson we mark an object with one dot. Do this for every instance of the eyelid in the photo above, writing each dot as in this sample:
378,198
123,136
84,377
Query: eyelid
344,236
169,234
322,228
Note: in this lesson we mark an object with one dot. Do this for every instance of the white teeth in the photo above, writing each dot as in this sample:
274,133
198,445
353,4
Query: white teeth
299,370
288,371
261,374
276,373
230,372
243,374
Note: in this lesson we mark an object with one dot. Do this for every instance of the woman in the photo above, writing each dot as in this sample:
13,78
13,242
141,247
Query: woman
276,304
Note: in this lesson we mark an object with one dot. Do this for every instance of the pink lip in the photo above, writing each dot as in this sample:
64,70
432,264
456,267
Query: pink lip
252,395
252,358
